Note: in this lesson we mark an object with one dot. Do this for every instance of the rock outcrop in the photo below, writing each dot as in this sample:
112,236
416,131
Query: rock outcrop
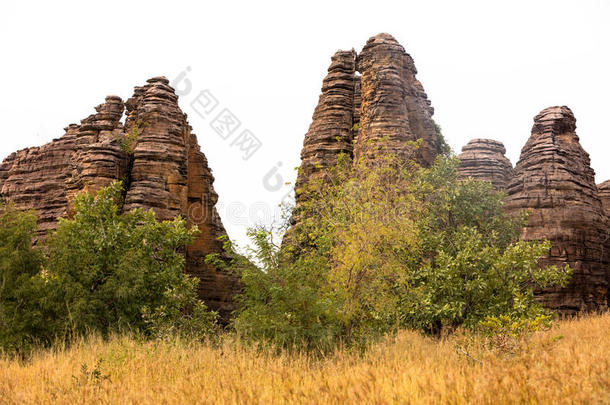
332,129
484,159
157,157
35,178
371,105
394,109
554,181
98,158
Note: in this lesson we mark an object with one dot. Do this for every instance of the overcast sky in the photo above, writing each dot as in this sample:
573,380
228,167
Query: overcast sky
488,69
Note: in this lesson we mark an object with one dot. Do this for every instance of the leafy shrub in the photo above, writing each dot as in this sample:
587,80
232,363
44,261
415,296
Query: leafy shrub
507,334
470,262
104,271
390,245
112,271
19,289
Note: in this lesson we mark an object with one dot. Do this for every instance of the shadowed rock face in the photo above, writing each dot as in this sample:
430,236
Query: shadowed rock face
604,195
163,169
371,115
332,129
553,180
483,159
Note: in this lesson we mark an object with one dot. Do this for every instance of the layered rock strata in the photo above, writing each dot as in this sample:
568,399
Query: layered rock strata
332,128
371,106
35,178
157,157
484,159
604,195
553,180
394,109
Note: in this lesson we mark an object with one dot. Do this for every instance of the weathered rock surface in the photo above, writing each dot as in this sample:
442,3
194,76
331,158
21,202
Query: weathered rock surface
604,195
154,153
372,114
332,129
34,178
484,159
553,180
395,109
98,158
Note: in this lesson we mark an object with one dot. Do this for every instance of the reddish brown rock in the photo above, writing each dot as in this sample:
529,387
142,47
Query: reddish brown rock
604,195
34,178
170,174
395,109
332,128
369,115
159,172
484,159
98,158
154,153
554,181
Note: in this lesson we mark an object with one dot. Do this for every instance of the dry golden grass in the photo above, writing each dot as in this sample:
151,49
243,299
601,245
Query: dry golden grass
406,369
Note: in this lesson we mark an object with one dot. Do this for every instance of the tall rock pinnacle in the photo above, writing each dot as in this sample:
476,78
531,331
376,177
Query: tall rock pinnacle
395,109
371,115
332,129
553,180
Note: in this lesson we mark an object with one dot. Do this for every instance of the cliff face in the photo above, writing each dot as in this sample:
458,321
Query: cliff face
484,159
604,195
369,115
553,180
154,153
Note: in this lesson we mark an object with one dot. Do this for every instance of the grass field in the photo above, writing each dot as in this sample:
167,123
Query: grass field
568,364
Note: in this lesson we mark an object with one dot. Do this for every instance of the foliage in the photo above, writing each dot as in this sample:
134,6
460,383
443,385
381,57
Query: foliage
508,334
386,245
127,141
19,265
471,263
284,303
444,148
109,271
103,271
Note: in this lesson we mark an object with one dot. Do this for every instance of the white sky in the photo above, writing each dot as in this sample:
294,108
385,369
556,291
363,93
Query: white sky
488,69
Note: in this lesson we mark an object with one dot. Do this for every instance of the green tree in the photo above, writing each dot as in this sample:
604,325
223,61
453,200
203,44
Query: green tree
111,271
471,264
20,264
389,244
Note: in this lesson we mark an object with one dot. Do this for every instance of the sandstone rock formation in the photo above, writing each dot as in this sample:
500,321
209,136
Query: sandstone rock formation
332,129
371,115
395,109
35,178
553,180
604,195
98,158
483,159
154,153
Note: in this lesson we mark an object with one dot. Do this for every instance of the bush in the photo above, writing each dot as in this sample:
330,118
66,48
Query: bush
103,271
470,262
376,248
111,271
19,265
